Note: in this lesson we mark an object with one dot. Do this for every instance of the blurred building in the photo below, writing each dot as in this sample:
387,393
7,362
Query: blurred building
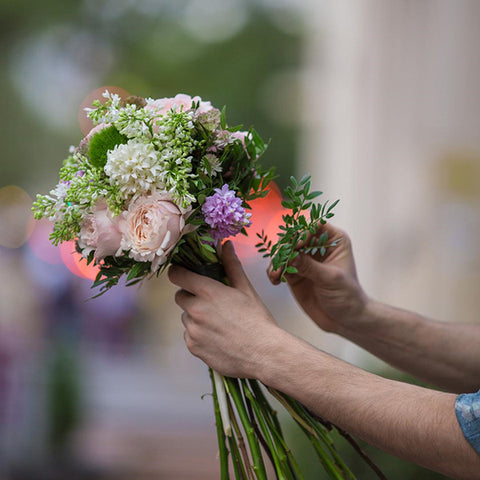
392,95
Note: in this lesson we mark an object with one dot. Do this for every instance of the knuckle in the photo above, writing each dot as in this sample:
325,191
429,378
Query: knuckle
346,238
337,276
179,297
197,311
191,343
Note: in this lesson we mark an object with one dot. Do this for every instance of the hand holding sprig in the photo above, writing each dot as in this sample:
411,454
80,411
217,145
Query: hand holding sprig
316,260
299,231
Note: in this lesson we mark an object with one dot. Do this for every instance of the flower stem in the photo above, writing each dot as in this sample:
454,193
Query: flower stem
258,465
241,444
222,403
322,435
279,457
236,459
222,447
313,434
274,425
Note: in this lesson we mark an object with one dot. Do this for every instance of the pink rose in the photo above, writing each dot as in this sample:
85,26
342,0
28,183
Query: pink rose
163,105
152,227
100,231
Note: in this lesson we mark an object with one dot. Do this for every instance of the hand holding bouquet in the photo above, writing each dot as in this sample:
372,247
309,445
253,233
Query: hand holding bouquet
164,181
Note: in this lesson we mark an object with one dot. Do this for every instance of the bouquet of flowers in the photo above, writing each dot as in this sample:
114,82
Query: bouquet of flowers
161,181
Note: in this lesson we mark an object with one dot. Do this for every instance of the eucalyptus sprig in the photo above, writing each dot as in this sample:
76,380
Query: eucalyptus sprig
299,231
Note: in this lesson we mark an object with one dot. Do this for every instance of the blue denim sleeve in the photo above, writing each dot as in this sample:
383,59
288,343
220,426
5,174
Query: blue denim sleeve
467,409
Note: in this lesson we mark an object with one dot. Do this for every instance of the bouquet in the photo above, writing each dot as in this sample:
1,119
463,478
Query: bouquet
161,181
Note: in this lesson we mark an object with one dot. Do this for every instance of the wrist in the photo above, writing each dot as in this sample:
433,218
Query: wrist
362,320
281,359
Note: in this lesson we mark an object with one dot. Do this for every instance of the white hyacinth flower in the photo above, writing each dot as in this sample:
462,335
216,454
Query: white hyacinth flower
136,168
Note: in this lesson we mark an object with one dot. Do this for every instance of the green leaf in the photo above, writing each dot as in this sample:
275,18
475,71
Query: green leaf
207,238
288,204
313,195
208,247
305,179
333,205
223,118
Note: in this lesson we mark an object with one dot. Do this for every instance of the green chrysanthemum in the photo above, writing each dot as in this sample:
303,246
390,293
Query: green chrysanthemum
103,141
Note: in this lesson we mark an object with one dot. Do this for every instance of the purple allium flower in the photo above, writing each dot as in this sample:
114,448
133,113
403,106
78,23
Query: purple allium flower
223,211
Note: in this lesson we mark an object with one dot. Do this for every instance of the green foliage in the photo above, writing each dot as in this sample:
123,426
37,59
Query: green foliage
101,142
299,234
75,195
113,268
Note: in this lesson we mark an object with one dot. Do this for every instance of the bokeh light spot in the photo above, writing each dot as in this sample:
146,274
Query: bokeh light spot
40,243
76,263
85,123
267,216
16,218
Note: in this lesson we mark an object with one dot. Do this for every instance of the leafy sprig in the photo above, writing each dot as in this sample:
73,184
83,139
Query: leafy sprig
299,232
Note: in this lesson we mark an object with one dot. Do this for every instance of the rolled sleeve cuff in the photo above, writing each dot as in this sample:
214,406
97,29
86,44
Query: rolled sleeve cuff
467,409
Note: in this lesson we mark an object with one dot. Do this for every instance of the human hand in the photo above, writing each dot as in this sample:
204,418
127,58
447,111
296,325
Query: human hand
327,287
228,327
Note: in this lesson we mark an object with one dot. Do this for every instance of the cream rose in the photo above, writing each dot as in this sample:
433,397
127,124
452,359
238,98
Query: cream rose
100,231
152,227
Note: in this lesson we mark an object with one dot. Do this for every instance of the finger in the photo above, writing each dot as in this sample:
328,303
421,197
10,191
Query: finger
183,299
190,281
310,268
274,275
186,319
234,270
333,233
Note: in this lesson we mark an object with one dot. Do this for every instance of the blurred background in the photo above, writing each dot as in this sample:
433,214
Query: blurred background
378,100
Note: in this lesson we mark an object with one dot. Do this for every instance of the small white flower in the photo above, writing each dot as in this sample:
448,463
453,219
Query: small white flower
211,165
136,168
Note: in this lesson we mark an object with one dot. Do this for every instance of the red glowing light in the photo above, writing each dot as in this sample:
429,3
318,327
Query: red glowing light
267,216
76,263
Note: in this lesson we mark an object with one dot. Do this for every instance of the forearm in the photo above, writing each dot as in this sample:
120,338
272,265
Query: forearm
413,423
444,354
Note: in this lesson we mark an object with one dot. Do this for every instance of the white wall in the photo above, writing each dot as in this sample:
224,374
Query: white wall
392,127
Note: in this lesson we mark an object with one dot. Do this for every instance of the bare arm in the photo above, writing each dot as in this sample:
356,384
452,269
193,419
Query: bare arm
413,423
444,354
327,288
232,331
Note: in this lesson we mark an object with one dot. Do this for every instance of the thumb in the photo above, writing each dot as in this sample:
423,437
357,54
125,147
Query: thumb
310,268
233,268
